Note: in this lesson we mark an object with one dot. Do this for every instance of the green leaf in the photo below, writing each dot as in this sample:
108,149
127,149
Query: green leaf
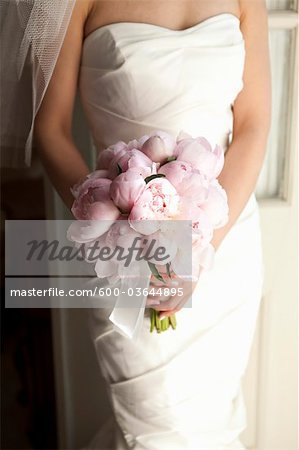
119,169
155,272
171,158
168,269
152,177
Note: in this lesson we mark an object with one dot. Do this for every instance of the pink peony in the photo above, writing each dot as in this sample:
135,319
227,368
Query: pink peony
199,153
76,189
93,201
129,159
183,135
158,201
119,235
201,224
176,171
134,144
188,183
93,208
106,155
215,206
159,146
126,188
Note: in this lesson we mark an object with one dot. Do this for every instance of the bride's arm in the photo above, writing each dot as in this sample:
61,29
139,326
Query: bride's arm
252,115
60,157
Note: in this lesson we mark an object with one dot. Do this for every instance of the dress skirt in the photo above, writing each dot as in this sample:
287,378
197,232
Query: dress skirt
181,389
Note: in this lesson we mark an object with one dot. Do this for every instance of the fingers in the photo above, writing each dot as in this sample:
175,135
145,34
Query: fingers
152,303
170,312
161,292
171,296
158,294
177,302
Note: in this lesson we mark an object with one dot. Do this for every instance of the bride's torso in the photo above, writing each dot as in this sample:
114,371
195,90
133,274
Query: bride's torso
138,76
171,14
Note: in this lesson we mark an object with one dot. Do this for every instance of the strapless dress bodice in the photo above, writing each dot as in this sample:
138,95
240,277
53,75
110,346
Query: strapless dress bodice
139,77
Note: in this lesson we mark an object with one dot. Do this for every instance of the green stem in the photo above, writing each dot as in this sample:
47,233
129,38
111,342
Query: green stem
161,325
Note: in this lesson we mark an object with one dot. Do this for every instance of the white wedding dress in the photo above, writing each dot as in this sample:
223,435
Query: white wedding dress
179,390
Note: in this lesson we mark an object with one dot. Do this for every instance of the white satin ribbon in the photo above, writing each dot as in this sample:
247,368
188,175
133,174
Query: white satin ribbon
128,320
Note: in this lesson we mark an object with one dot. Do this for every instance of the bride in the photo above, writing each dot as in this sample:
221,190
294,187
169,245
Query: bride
202,67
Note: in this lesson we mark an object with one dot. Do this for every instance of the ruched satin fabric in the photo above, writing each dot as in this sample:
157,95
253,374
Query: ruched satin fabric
182,389
138,77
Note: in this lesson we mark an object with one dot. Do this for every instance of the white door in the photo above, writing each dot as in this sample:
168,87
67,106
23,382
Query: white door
271,379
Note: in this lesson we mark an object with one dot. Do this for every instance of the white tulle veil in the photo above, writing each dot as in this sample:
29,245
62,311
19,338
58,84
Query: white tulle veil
32,33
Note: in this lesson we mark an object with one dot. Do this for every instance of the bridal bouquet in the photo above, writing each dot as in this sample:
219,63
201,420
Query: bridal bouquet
138,193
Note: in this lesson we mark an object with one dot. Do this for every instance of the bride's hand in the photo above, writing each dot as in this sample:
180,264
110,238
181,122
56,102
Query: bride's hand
181,289
169,304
